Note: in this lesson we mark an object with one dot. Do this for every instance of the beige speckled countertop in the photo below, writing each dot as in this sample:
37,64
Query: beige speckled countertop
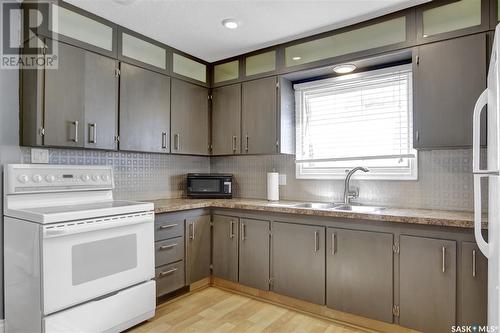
456,219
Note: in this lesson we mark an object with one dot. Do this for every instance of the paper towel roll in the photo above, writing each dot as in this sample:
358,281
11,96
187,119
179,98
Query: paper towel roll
273,193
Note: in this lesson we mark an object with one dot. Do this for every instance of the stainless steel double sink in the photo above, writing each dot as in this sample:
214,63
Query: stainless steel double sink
355,208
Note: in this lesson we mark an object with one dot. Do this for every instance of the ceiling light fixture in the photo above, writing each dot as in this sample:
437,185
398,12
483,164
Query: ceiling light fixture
344,68
296,58
230,23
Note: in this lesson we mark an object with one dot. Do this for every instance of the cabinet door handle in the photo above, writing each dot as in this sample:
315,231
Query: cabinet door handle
443,251
333,243
75,123
231,229
168,226
473,263
243,231
162,274
92,133
316,241
234,143
246,144
177,141
164,140
191,226
166,247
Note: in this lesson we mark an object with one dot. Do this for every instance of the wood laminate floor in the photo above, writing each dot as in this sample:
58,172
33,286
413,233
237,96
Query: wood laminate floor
216,310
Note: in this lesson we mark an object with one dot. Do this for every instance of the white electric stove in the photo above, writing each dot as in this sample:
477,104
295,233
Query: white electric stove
75,259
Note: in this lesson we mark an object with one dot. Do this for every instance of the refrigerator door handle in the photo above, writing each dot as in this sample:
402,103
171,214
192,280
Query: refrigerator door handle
481,243
481,102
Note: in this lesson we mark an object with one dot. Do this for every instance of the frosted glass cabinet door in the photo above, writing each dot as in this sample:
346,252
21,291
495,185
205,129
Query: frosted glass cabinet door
81,28
260,63
377,35
451,19
148,53
189,68
227,71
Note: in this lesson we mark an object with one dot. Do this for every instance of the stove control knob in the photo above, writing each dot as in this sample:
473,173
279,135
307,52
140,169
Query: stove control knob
50,178
85,178
95,178
23,179
105,178
37,178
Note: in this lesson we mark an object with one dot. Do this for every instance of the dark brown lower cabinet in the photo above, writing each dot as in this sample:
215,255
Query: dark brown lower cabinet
298,261
474,286
359,276
427,284
254,253
225,247
198,243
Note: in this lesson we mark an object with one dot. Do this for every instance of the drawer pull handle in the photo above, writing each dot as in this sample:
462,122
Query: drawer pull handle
168,226
316,241
166,247
473,263
234,143
333,243
162,274
243,232
443,252
231,229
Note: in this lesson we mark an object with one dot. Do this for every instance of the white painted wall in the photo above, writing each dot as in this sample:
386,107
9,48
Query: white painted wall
9,140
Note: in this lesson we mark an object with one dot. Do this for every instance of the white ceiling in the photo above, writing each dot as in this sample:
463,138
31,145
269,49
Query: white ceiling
194,26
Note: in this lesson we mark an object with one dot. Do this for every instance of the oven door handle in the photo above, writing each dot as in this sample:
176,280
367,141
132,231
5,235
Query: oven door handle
72,228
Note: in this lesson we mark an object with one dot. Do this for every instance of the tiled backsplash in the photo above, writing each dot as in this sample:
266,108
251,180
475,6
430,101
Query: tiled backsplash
445,177
445,181
137,175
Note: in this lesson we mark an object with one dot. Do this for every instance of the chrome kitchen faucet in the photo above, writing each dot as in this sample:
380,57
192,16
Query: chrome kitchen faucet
348,194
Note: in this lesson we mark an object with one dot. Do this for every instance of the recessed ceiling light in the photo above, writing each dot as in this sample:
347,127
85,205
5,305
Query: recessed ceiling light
296,58
344,68
230,23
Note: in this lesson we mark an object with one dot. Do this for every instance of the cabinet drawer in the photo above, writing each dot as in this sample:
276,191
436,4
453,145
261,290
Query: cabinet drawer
165,229
169,278
169,250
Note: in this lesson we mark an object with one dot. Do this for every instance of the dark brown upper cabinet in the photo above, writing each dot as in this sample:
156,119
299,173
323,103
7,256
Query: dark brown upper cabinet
440,20
190,119
144,110
448,77
75,105
226,120
267,116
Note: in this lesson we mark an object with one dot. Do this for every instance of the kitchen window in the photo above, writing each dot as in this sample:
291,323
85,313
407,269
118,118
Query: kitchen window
363,119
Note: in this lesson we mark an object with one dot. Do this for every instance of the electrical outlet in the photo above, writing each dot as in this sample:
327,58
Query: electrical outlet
39,156
282,179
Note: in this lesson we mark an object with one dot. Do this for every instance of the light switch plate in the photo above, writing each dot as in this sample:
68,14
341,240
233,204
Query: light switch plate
39,156
282,179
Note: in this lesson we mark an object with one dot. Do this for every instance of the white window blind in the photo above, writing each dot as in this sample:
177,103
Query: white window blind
358,119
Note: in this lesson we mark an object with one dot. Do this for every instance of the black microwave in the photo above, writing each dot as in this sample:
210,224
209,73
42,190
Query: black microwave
209,185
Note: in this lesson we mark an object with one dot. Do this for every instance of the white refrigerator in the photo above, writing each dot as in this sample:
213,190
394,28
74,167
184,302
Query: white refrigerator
491,174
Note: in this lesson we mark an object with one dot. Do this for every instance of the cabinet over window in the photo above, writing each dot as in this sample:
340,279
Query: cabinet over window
377,35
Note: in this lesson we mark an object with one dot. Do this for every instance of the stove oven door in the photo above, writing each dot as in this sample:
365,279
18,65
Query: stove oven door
85,260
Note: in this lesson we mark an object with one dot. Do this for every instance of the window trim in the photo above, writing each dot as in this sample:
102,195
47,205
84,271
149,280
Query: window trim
303,172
